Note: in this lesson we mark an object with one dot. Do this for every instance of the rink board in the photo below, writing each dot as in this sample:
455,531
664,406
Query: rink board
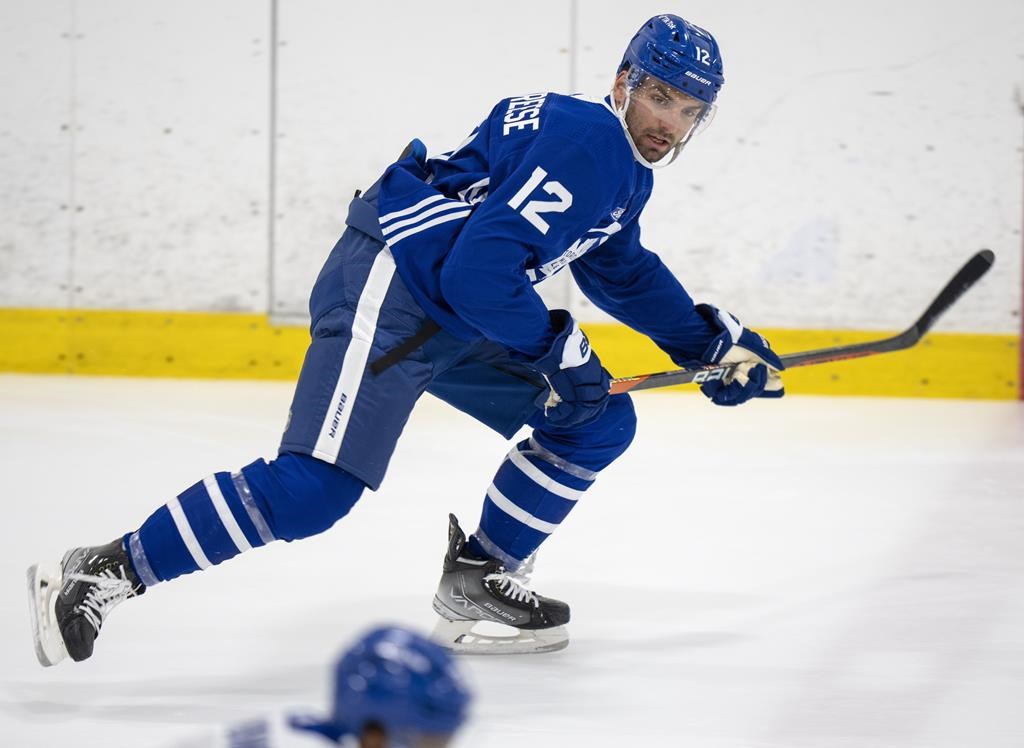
247,346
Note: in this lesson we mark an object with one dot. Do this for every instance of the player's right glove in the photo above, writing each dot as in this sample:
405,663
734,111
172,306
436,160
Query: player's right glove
578,384
757,367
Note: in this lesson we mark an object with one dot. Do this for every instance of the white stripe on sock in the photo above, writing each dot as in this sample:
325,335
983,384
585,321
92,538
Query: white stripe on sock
139,560
517,512
332,431
562,464
543,480
226,518
511,563
392,240
245,493
185,530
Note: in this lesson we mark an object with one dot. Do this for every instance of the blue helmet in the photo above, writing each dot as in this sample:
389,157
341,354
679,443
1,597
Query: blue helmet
401,681
679,53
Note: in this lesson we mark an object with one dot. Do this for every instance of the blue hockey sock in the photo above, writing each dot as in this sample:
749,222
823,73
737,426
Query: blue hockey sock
533,491
474,549
292,497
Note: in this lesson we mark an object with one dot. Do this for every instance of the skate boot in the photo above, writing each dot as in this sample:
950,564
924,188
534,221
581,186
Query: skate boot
69,603
474,591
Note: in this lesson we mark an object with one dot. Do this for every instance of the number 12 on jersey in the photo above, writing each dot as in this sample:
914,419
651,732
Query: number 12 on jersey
532,210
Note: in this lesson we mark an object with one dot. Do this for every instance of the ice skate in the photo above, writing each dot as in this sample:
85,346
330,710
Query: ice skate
480,593
68,603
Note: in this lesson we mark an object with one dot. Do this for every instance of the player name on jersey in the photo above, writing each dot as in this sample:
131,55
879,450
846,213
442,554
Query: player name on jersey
523,112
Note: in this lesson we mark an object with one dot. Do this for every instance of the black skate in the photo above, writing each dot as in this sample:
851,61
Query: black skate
69,602
473,591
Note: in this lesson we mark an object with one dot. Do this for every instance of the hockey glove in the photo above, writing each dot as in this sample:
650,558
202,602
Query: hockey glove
578,384
757,367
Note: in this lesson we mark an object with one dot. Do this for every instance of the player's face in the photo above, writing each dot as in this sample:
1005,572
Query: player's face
659,116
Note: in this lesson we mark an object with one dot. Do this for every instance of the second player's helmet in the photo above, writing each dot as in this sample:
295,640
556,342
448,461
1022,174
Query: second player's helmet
679,54
398,680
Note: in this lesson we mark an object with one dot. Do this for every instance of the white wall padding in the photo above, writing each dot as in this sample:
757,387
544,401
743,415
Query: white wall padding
359,81
152,116
172,155
861,152
36,129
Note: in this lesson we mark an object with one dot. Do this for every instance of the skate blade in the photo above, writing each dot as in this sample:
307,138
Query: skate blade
460,638
43,587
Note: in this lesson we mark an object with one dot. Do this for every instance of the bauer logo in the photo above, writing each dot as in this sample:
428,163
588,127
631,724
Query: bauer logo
690,74
336,421
499,611
712,375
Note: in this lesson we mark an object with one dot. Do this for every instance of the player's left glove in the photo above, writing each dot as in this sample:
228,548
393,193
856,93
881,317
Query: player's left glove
757,367
578,384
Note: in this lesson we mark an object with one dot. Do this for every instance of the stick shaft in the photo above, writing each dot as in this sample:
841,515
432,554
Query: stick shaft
966,277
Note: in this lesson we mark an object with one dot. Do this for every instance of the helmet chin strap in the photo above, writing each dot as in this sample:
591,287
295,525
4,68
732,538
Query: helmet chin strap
662,162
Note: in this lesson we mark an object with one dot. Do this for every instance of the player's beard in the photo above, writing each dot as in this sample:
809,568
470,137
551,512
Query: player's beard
650,150
653,150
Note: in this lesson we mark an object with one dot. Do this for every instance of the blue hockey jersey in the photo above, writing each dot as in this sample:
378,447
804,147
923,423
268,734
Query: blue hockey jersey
545,182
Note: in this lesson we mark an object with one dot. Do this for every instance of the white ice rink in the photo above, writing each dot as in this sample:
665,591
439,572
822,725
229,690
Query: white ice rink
810,573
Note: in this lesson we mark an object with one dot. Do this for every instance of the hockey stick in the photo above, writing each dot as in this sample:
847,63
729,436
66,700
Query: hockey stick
968,275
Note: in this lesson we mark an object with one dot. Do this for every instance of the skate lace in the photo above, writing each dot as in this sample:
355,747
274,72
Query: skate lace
108,590
509,587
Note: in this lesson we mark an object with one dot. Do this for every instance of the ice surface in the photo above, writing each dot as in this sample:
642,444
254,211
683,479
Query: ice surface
810,573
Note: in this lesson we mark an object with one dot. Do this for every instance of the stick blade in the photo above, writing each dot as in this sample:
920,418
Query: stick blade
967,276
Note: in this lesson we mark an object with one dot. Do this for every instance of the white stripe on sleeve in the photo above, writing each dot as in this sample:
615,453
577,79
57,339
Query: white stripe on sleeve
447,205
392,240
412,208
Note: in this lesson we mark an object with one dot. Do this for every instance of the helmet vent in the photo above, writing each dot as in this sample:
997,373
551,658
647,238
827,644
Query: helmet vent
675,36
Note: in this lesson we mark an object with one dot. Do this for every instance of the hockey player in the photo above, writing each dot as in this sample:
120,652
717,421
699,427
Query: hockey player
392,689
430,289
